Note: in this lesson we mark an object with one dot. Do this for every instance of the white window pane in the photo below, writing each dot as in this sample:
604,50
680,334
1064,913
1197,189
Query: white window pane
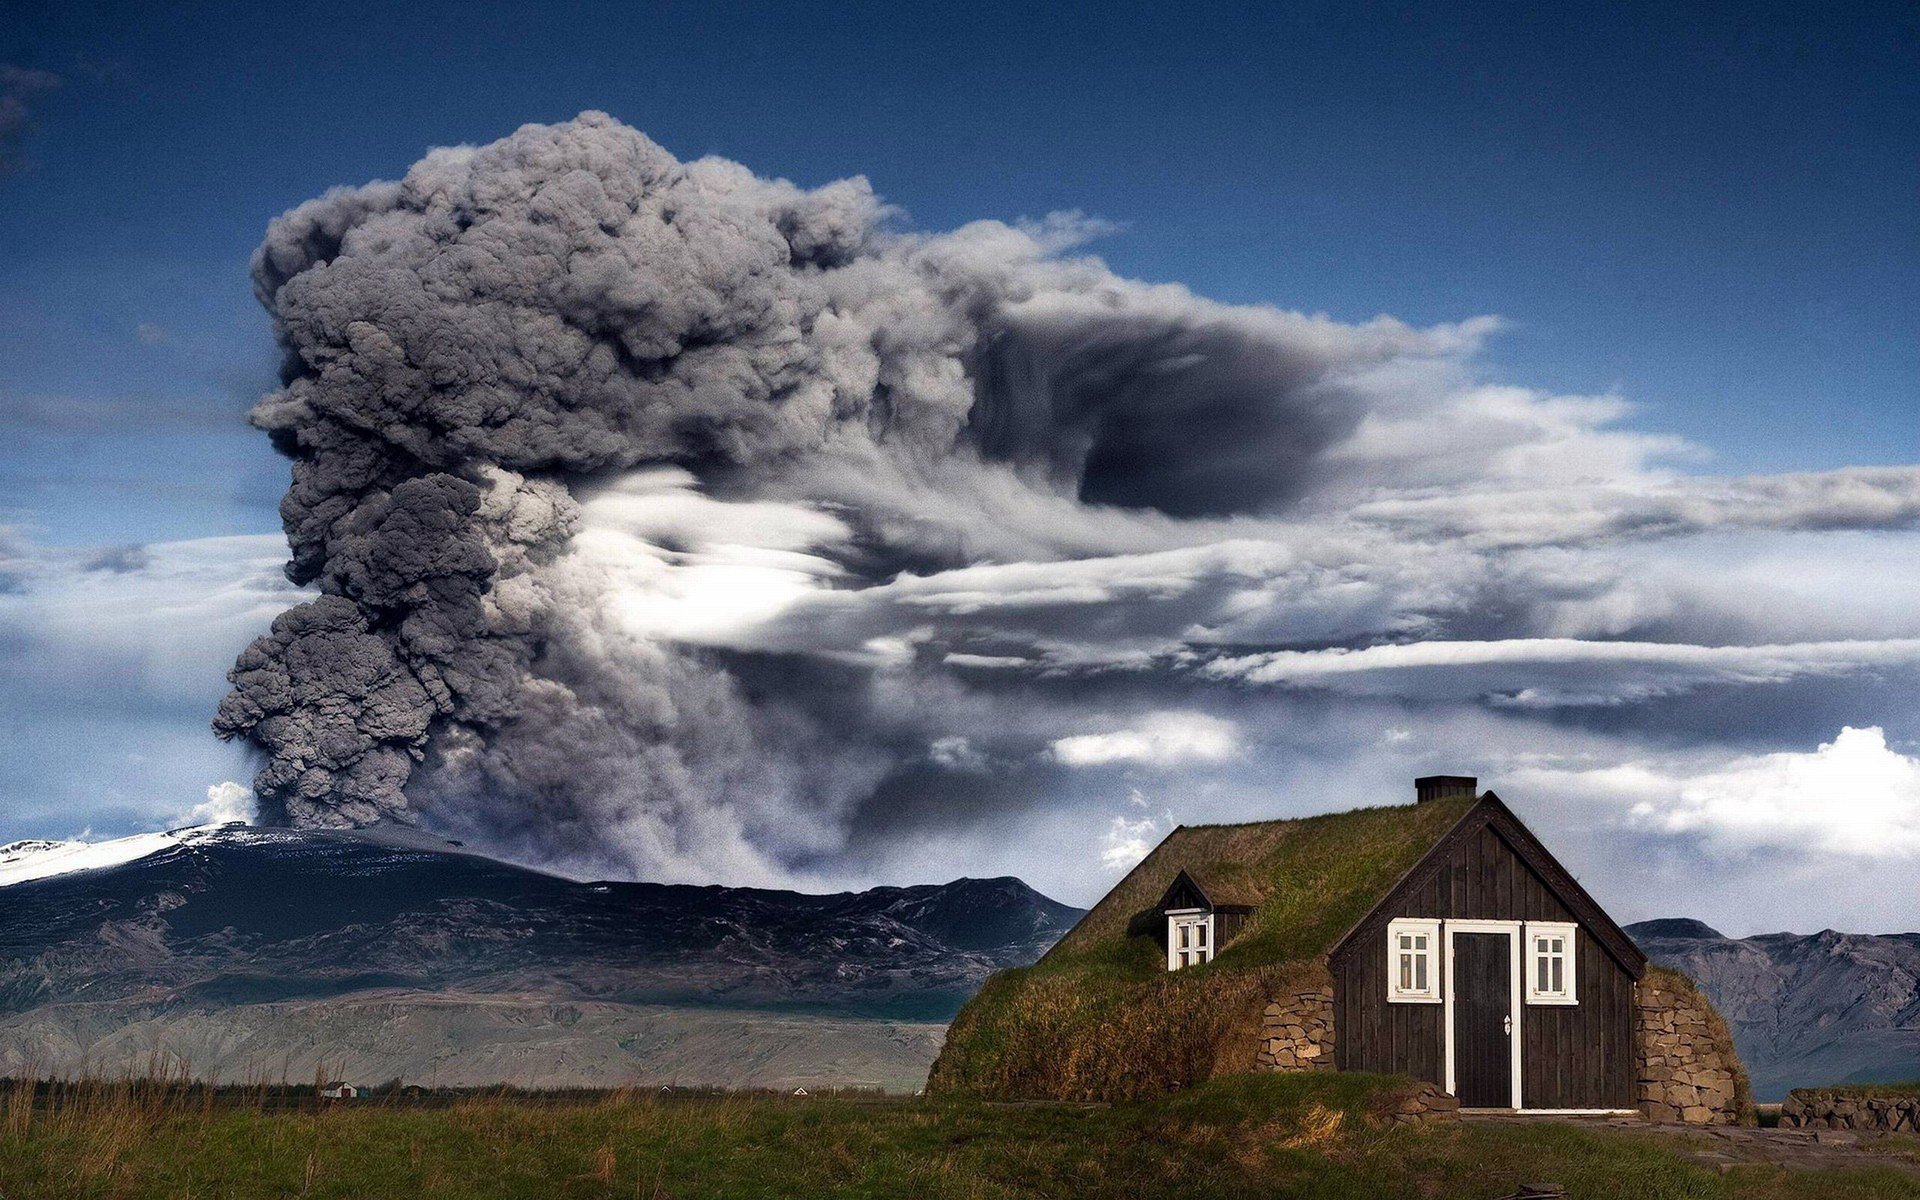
1200,956
1186,936
1406,972
1559,975
1540,975
1420,973
1420,941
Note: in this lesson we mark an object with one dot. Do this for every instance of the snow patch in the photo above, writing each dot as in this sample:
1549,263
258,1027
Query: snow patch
40,859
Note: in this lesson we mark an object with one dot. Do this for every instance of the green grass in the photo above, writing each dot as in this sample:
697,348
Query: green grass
1251,1136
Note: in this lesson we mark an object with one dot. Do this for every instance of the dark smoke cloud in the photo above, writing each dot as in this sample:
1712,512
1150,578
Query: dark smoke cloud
469,350
672,521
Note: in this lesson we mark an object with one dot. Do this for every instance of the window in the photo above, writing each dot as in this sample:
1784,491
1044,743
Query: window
1189,938
1550,975
1413,961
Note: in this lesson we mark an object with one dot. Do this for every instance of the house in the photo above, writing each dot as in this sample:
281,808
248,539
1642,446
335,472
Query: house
1439,940
338,1091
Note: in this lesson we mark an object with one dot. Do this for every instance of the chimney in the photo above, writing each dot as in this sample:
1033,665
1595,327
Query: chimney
1444,787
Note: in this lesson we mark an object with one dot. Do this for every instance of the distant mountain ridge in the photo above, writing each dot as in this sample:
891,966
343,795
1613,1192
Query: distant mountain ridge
250,947
1805,1009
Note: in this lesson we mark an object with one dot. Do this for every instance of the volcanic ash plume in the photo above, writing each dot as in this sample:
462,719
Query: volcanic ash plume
525,385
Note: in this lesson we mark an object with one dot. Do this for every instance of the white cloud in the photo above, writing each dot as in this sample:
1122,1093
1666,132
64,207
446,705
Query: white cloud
1547,672
1854,797
113,665
673,564
1127,842
163,620
958,754
226,801
1162,740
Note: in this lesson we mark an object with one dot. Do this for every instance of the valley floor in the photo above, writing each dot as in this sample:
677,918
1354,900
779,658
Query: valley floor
1255,1136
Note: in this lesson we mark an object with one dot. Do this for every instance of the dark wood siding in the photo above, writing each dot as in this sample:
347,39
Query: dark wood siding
1371,1035
1184,895
1227,926
1578,1056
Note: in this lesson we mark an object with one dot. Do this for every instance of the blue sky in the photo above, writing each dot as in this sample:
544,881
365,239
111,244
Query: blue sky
1706,212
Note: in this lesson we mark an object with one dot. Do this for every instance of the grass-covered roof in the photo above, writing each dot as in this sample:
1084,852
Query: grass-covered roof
1310,880
1101,1017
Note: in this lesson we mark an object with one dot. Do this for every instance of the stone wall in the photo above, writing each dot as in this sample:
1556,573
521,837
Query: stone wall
1855,1108
1421,1104
1687,1070
1297,1031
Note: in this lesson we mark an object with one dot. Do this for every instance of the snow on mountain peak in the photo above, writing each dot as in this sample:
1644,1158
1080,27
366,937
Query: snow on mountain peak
39,858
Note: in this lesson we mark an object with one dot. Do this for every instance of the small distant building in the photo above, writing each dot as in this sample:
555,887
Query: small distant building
800,1093
339,1090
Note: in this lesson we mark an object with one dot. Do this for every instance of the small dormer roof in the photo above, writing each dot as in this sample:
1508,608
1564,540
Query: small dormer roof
1215,893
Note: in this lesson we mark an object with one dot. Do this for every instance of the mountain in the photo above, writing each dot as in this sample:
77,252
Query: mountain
1805,1009
378,953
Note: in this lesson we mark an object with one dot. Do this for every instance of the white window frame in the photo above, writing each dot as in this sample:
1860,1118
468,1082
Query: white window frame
1569,932
1198,950
1413,927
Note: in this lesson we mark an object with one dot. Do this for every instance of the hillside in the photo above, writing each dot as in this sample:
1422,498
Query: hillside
1805,1009
387,953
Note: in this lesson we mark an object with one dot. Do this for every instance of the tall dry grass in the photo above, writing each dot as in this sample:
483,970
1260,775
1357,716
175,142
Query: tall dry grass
1060,1036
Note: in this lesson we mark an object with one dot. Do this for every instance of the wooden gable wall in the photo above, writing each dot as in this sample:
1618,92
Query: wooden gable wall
1578,1056
1182,894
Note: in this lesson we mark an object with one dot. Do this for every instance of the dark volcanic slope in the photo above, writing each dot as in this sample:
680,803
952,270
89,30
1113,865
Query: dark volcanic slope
238,916
1805,1009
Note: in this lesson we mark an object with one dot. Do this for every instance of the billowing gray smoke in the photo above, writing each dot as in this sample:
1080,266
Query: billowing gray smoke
476,352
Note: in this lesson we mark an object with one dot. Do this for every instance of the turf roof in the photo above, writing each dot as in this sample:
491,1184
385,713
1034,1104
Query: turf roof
1312,879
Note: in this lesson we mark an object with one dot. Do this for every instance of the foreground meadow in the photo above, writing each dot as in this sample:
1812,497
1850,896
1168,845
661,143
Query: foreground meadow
1240,1137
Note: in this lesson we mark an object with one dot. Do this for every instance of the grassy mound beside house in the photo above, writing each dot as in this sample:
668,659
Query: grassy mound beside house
1305,1136
1100,1017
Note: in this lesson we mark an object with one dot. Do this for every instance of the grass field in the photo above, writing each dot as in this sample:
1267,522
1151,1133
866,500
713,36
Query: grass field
1251,1136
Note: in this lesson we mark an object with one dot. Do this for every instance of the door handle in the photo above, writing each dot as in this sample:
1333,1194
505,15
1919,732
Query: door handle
1508,1022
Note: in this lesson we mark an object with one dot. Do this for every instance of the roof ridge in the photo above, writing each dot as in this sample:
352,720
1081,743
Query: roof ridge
1339,812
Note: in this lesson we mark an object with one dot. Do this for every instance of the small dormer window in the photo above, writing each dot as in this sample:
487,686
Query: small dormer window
1550,976
1413,961
1190,939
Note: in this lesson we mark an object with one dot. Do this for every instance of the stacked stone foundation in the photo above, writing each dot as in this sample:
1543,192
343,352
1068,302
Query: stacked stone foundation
1687,1070
1425,1104
1297,1031
1813,1108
